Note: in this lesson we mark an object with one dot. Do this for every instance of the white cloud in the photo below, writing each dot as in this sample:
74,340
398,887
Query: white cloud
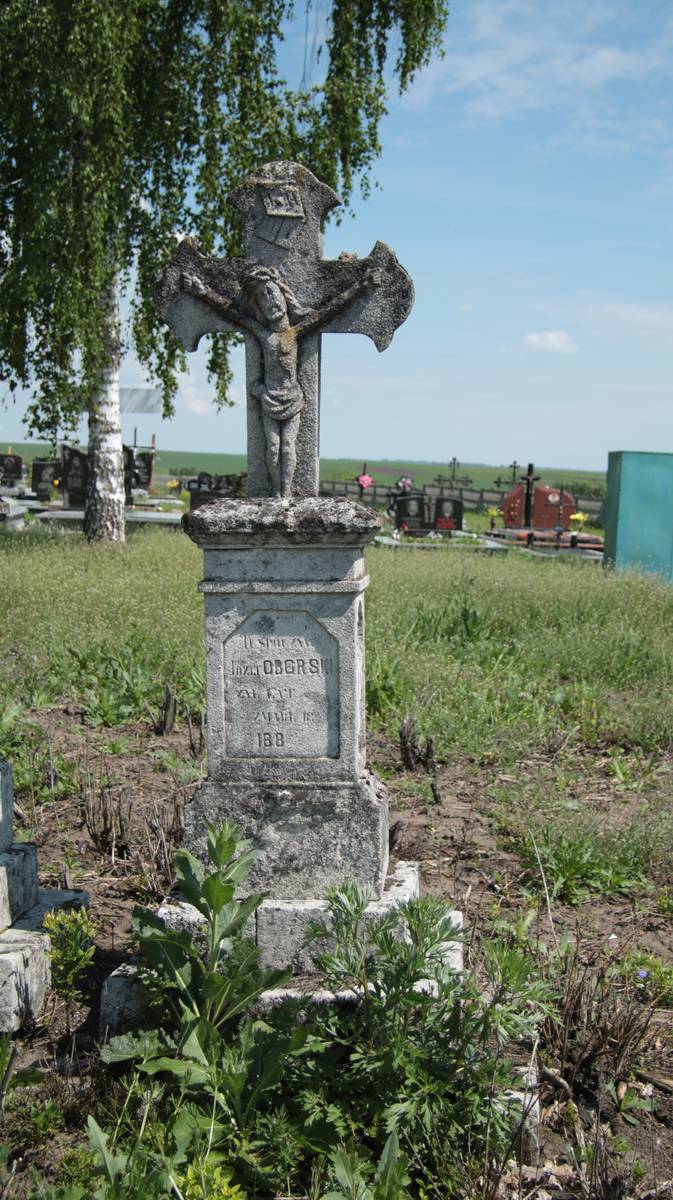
465,307
196,405
522,55
552,341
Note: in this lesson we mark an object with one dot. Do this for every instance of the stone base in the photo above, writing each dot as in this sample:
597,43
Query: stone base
281,924
308,837
279,930
279,927
18,882
24,963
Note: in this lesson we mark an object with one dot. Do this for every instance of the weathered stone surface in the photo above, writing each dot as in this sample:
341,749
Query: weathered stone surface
6,805
523,1108
308,838
123,1004
285,661
51,900
18,882
24,961
283,296
266,522
284,583
24,977
281,925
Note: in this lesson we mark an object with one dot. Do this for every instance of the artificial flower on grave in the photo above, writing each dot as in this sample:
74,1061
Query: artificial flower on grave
578,519
365,481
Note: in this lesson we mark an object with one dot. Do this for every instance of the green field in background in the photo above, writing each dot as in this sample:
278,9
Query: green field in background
186,463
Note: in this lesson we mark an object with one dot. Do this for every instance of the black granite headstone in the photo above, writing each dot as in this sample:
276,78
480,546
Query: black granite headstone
43,473
75,472
11,469
448,513
410,513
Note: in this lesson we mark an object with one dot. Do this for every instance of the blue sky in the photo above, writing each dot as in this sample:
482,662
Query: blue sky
527,186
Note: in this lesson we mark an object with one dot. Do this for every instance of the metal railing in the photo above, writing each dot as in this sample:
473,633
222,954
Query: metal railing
473,498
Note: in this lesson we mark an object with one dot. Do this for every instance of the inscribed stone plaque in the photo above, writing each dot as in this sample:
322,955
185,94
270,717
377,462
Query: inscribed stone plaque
281,688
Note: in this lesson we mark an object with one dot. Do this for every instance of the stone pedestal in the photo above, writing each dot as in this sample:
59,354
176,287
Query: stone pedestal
284,597
24,964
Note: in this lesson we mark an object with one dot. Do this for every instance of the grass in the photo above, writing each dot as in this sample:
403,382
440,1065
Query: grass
560,673
495,657
498,657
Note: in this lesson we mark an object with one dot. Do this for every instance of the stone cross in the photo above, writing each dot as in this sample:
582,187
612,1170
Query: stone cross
283,295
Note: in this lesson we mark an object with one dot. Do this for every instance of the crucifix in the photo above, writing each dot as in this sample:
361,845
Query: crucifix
282,295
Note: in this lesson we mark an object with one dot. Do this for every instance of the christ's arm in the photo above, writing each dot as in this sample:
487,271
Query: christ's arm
193,286
372,277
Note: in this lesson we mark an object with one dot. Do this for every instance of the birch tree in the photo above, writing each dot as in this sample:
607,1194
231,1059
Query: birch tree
124,121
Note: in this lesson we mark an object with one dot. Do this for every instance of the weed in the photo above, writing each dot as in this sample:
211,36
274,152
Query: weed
208,1179
71,952
182,770
107,818
383,687
665,903
651,978
75,1168
628,1102
575,864
117,745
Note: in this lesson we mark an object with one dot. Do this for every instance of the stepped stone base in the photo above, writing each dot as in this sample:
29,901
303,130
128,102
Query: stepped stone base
308,837
24,963
279,928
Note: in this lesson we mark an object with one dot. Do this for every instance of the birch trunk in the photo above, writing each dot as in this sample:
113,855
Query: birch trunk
104,512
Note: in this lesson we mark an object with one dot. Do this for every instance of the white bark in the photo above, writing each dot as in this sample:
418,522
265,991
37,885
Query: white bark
104,513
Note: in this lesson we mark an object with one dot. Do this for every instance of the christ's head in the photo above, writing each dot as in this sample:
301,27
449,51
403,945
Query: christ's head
272,302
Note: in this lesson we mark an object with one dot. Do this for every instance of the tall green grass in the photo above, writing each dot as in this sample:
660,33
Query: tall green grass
496,657
500,657
81,620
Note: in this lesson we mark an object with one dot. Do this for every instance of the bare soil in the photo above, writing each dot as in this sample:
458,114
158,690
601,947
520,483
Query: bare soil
147,779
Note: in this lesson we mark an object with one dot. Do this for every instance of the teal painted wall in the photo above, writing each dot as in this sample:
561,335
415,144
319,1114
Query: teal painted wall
639,512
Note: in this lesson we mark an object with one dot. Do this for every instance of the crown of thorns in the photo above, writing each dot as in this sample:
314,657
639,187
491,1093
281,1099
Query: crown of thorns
261,274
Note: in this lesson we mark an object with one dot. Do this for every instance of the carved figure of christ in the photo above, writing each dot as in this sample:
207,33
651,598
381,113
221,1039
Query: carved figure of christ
272,315
283,295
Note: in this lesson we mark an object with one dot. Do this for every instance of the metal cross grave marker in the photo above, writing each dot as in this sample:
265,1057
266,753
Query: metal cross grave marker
283,295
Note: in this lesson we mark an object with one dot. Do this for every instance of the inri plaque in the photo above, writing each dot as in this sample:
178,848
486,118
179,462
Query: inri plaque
281,688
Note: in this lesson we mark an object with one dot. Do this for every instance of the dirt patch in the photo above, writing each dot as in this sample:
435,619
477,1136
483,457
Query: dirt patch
114,834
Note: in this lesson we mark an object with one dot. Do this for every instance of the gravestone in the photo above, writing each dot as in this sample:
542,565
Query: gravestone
143,469
284,569
74,476
24,945
212,487
448,513
410,513
11,470
43,473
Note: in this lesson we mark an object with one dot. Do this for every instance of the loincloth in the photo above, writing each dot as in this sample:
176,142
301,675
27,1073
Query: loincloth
283,403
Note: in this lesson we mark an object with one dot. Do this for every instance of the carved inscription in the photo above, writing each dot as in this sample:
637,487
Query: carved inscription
281,688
